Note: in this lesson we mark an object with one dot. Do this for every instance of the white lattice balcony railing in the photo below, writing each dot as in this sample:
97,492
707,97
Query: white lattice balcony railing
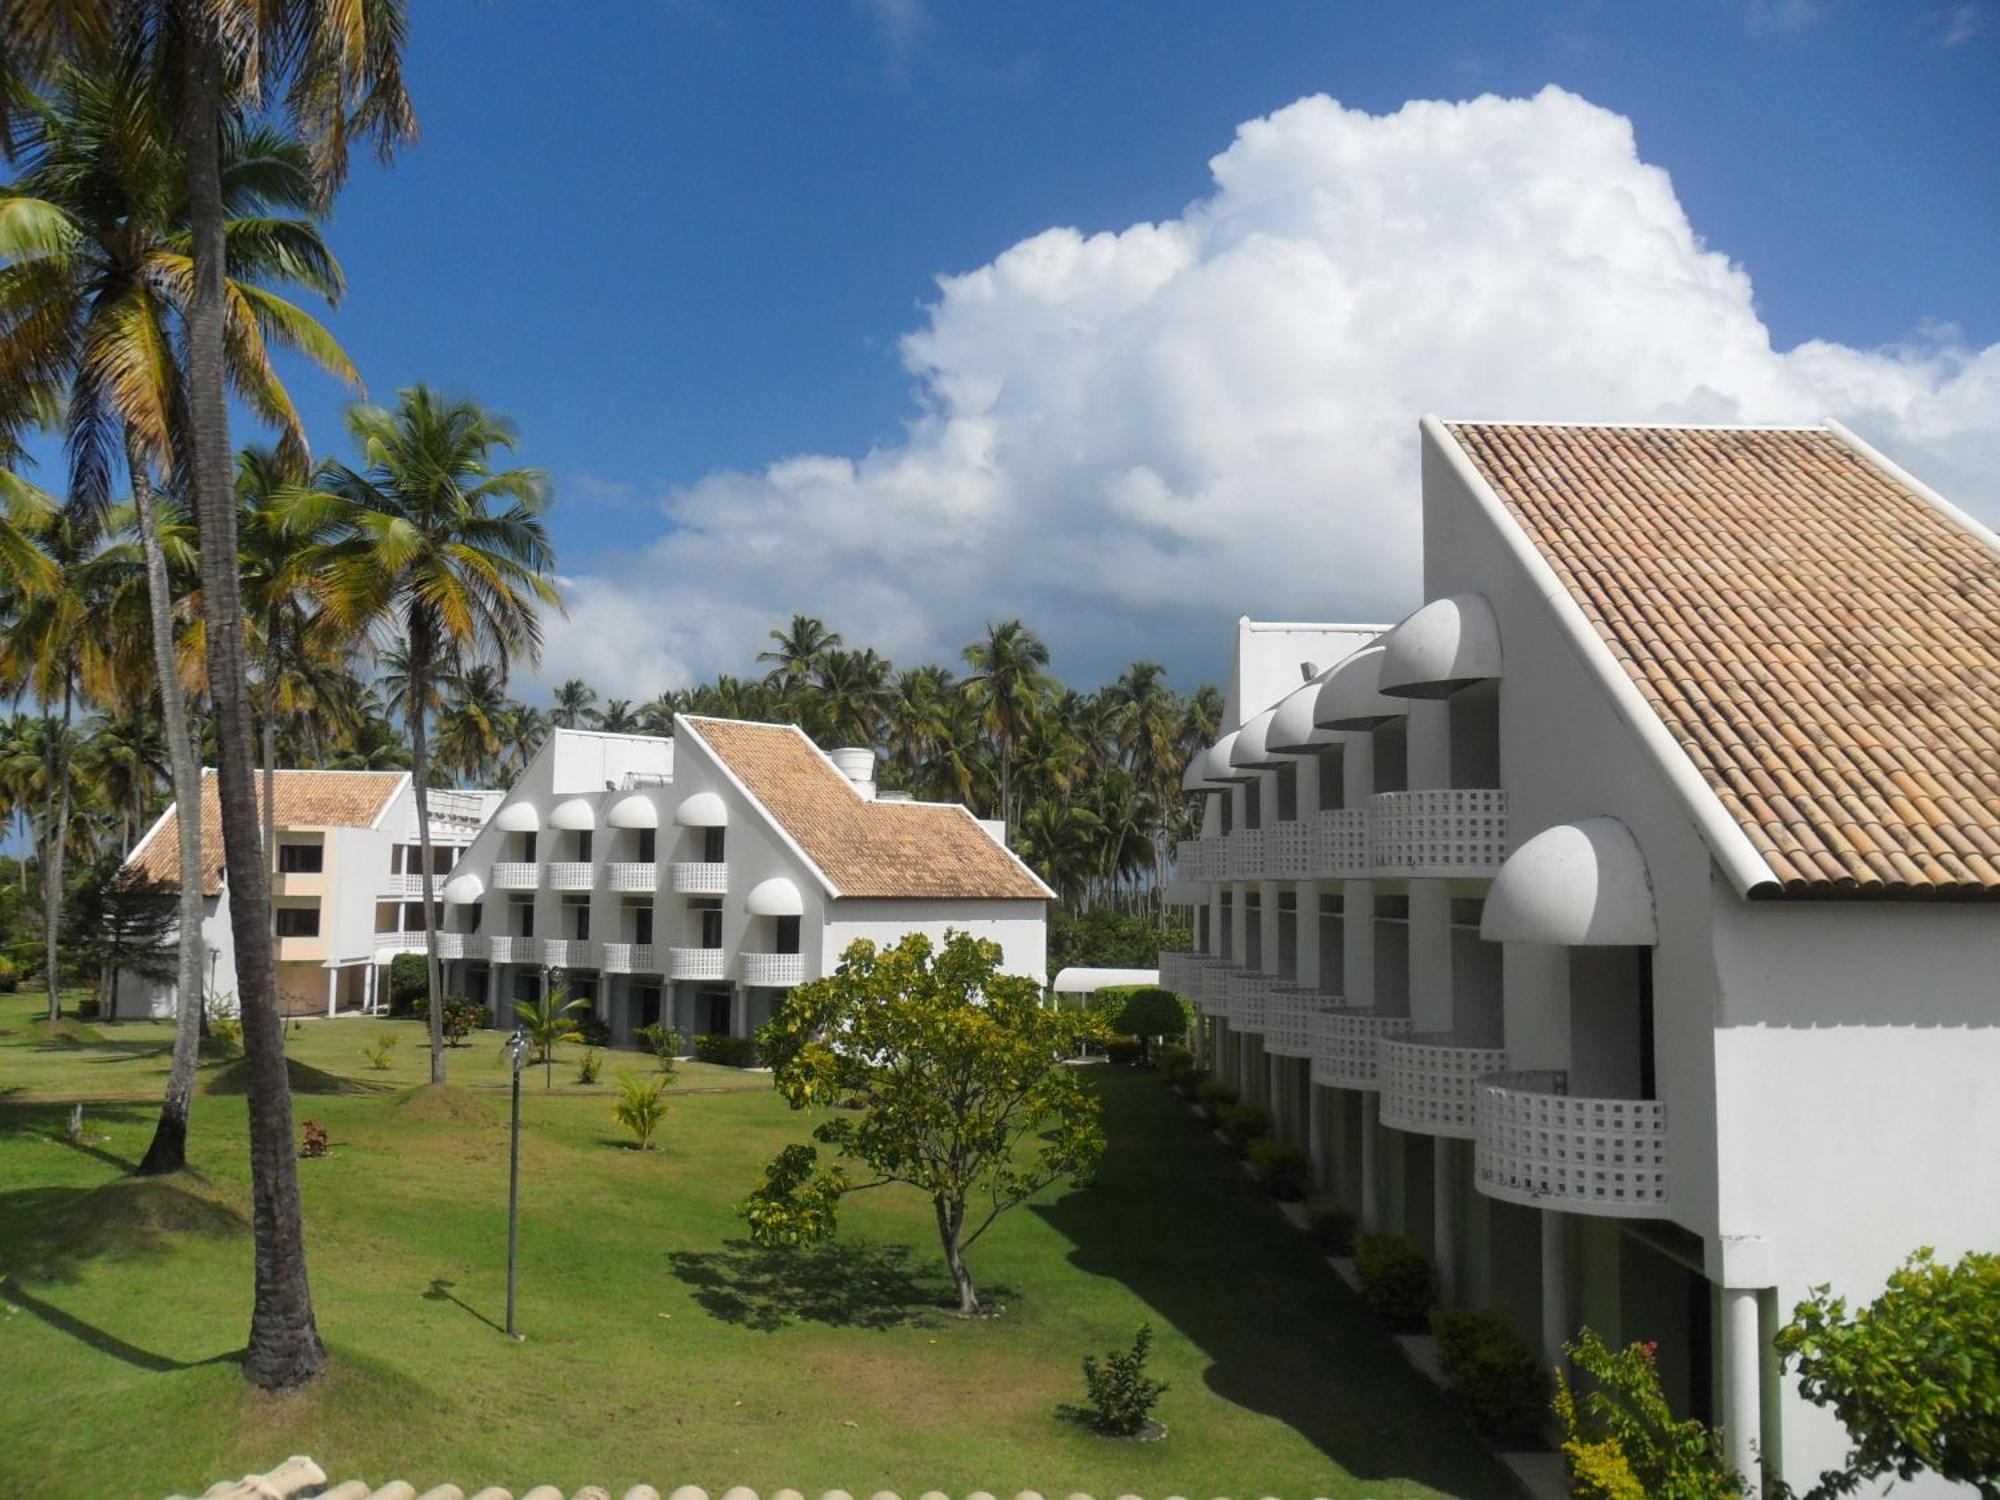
1444,831
629,875
774,970
411,887
1288,1014
506,949
1212,989
517,877
1179,969
1430,1083
570,875
1344,1042
1540,1146
630,958
452,945
1339,844
1246,854
694,877
1247,992
569,953
399,942
1214,852
1190,863
1288,849
696,963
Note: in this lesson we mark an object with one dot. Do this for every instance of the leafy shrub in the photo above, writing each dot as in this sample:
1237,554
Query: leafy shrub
1151,1012
10,976
378,1055
1622,1440
1284,1169
1396,1280
590,1028
640,1109
663,1042
1243,1124
1176,1063
589,1066
1118,1395
1124,1050
1214,1096
1331,1227
409,983
726,1051
1914,1376
461,1018
1106,938
312,1139
225,1034
1495,1373
89,1008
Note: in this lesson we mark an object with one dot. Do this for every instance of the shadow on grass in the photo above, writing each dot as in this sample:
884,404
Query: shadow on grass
441,1290
845,1285
234,1078
103,1340
1172,1217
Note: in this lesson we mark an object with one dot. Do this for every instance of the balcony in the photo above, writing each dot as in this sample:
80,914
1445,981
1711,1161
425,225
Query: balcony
1430,1083
1340,844
1245,854
1211,995
1445,831
392,943
1288,850
1288,1014
1247,990
452,945
696,963
1345,1042
700,878
1539,1145
504,948
570,875
1181,972
410,887
776,971
569,953
627,876
630,958
517,877
1214,857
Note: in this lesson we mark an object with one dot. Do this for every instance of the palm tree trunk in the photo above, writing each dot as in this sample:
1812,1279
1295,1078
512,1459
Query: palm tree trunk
53,850
168,1151
284,1348
420,663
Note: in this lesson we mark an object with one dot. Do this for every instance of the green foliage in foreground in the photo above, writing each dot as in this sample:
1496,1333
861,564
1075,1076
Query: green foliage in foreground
1118,1393
1623,1441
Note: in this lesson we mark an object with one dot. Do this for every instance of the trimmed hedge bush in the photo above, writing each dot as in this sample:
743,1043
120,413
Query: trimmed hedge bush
1396,1280
1332,1228
726,1051
1243,1124
1175,1062
1214,1097
1284,1169
1151,1012
1494,1372
409,983
1124,1050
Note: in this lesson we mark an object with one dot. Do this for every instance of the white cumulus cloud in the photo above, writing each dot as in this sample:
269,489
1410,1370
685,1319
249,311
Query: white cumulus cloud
1129,438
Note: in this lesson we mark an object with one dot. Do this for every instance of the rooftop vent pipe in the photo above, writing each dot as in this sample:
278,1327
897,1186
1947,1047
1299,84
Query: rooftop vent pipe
857,764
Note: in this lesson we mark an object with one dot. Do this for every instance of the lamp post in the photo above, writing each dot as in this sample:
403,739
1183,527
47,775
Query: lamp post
517,1057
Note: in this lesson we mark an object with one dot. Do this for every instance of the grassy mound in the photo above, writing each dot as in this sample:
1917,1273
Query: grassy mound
234,1078
64,1229
451,1106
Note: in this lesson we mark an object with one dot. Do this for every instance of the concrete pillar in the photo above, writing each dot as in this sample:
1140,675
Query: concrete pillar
372,1000
1274,1073
1771,1384
1371,1162
1444,1216
739,1011
332,991
1555,1287
1316,1136
1742,1384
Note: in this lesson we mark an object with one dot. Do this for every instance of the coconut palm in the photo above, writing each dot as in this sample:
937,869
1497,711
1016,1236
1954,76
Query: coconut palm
657,715
549,1022
523,730
473,726
574,701
617,717
372,744
1007,686
444,553
796,654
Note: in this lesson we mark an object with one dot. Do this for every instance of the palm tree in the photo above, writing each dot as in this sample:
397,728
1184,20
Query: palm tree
1061,844
444,553
1146,718
657,716
1007,686
127,755
848,701
795,657
472,728
548,1022
523,730
574,700
617,717
372,744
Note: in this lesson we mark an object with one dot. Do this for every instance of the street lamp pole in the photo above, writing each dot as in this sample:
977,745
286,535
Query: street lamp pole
517,1056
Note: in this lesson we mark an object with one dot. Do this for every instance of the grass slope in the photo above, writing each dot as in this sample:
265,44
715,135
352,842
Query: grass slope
661,1346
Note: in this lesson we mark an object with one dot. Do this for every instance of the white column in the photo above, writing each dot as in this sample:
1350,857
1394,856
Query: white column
1742,1369
1555,1288
332,991
1322,1173
1371,1161
1771,1384
1444,1216
739,1011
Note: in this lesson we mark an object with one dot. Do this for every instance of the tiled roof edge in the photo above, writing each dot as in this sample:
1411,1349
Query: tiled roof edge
1900,475
1747,870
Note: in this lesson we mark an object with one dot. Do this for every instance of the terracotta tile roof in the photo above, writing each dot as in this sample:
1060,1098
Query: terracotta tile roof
914,850
1823,641
306,799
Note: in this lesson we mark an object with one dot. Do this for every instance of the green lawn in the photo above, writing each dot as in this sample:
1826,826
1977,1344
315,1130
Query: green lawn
660,1346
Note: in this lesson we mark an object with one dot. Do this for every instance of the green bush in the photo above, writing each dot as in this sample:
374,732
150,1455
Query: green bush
1495,1373
1105,938
1124,1050
727,1051
591,1029
409,983
1331,1227
378,1055
1214,1097
89,1008
1119,1397
589,1066
1175,1063
1621,1440
10,976
640,1109
225,1035
1243,1124
1284,1169
462,1018
1152,1012
663,1042
1396,1280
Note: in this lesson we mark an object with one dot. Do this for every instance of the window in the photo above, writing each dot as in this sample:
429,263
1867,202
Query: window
297,921
1253,802
787,935
579,918
1288,793
642,924
527,918
711,926
648,841
711,845
474,916
528,848
583,841
301,859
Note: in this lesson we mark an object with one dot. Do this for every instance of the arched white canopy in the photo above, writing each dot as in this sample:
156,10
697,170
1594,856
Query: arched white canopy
1351,699
1581,885
1195,777
1216,766
573,813
518,817
1447,644
633,810
1292,729
1252,752
702,810
1083,981
776,897
463,890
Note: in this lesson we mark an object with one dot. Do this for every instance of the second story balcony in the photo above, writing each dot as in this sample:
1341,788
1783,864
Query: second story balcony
1288,850
505,948
700,877
1181,972
1339,844
627,875
570,875
774,970
697,963
391,943
1288,1017
569,953
629,958
1430,1082
410,886
1211,996
1244,853
1444,831
1246,991
1542,1146
515,876
1345,1042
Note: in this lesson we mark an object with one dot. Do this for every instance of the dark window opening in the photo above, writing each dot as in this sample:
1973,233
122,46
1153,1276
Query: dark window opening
787,934
642,924
648,838
297,921
583,840
301,859
712,844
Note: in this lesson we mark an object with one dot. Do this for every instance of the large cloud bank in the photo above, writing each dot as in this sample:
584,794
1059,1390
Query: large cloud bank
1130,438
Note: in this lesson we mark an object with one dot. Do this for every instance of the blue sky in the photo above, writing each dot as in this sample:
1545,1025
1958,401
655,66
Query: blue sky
671,239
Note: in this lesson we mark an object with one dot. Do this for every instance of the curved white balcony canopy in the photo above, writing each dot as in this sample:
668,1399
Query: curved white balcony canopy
1195,777
702,810
1253,752
776,897
1292,731
1216,764
518,817
1351,697
463,890
1580,885
573,813
1448,644
633,810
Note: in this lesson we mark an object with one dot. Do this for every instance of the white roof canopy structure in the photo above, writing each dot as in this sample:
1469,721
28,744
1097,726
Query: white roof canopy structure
1252,752
463,890
1216,766
1441,648
521,816
702,810
1580,885
776,897
633,810
1083,981
1292,729
1351,697
574,813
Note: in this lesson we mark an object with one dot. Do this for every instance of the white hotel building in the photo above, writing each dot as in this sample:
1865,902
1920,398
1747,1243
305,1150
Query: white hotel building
692,881
1621,925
